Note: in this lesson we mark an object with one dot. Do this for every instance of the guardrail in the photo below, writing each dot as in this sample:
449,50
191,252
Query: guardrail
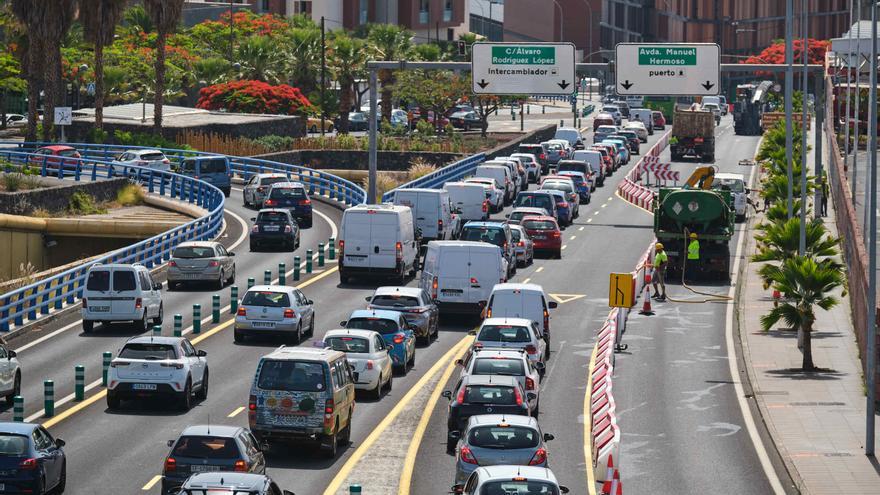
28,303
629,188
436,179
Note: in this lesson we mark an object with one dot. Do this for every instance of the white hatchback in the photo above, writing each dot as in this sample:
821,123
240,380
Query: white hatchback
512,333
274,310
10,372
367,353
154,159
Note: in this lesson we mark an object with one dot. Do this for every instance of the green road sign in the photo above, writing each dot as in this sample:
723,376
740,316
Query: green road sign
667,55
524,55
523,68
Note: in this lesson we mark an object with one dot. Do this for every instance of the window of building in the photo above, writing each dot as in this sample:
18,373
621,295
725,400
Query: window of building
450,34
364,10
265,5
447,10
424,11
302,7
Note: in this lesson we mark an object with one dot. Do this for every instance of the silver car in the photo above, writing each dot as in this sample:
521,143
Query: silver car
415,304
524,480
10,372
523,245
275,310
497,439
256,189
512,333
506,362
201,261
229,482
518,213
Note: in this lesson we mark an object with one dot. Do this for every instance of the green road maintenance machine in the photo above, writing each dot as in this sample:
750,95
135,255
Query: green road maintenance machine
695,208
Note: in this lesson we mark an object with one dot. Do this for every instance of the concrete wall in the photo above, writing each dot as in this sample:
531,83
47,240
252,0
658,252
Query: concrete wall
358,160
17,249
280,126
57,198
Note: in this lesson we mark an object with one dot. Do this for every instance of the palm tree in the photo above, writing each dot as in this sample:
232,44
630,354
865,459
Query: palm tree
347,59
165,14
806,283
137,20
99,24
212,70
390,42
304,57
260,59
782,240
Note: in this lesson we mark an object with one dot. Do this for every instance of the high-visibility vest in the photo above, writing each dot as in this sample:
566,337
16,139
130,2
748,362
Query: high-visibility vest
694,250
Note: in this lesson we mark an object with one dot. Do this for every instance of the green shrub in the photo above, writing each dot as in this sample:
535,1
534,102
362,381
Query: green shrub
82,203
274,143
424,128
130,195
98,136
12,182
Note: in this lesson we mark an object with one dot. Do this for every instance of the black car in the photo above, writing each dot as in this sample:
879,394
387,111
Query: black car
274,227
209,448
465,120
31,461
484,394
540,154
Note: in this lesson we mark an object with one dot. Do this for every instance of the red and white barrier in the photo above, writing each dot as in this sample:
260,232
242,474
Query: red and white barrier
630,190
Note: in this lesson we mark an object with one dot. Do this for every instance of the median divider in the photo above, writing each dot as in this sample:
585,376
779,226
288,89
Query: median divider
630,189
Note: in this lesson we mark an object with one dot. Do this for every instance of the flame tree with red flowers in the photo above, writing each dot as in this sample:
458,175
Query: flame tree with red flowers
253,97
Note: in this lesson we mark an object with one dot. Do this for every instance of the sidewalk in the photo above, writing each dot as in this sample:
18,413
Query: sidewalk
817,421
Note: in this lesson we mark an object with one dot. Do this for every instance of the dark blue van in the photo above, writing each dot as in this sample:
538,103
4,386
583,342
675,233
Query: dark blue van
214,170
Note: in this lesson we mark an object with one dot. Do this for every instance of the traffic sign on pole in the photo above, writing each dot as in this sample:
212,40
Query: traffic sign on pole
663,69
621,290
523,68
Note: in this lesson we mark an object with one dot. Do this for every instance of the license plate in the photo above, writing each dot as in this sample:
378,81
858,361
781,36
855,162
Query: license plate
143,386
451,291
539,237
263,324
99,309
271,228
355,259
204,469
190,275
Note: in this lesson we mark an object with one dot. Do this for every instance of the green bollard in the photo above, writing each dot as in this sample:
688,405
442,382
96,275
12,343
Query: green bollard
197,319
215,308
320,254
106,368
297,267
48,398
233,299
352,489
332,248
178,325
79,384
267,277
157,330
309,256
282,274
250,282
18,409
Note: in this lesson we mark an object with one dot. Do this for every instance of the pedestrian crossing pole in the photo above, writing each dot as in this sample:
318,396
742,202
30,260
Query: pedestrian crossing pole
215,308
105,368
297,266
320,254
197,319
309,255
282,274
267,277
332,248
233,299
250,282
18,409
157,330
48,398
79,382
178,325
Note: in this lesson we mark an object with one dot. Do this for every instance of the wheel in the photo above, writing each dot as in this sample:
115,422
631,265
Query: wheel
161,316
16,389
559,254
307,223
311,332
330,128
227,191
450,445
740,218
376,393
221,280
62,479
238,337
232,276
298,337
313,129
253,247
88,326
113,401
412,360
185,399
390,383
330,446
202,394
143,325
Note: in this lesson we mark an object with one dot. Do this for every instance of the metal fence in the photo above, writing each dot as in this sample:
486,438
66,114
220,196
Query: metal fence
435,180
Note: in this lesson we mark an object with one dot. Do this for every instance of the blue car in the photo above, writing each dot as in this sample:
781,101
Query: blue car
581,183
291,196
396,331
214,170
563,209
31,461
622,150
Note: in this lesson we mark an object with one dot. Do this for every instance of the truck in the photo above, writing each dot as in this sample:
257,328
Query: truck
749,107
693,133
681,211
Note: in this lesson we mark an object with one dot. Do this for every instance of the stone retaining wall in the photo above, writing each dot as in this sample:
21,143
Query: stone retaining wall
57,198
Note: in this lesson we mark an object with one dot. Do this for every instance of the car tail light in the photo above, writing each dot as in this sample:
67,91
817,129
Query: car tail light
521,243
171,365
504,247
252,403
255,228
170,465
398,247
172,263
474,280
270,202
166,161
434,285
305,202
240,466
440,225
530,384
29,464
288,313
398,339
531,349
564,204
539,458
369,364
341,248
460,398
288,229
485,206
518,396
329,406
214,263
546,321
467,456
241,311
556,233
138,303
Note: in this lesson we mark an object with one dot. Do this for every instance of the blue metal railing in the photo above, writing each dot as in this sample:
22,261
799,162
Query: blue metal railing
436,179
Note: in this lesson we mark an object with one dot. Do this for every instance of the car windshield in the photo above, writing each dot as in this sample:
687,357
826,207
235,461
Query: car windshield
732,185
498,366
287,192
606,128
392,300
539,225
557,186
380,325
576,167
67,153
504,333
515,234
503,437
272,217
206,447
98,280
489,394
13,445
519,488
193,252
577,179
484,234
291,376
148,351
268,181
348,344
265,298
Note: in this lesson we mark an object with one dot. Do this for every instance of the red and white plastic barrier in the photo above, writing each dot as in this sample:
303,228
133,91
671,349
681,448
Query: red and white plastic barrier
630,190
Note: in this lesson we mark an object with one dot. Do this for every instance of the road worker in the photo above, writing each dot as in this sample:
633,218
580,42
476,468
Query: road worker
658,274
693,257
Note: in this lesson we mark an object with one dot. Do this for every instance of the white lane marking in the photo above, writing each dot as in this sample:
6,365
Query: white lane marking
526,280
540,269
572,238
244,230
580,229
60,402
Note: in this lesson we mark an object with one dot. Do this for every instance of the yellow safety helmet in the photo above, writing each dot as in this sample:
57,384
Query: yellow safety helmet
693,236
658,246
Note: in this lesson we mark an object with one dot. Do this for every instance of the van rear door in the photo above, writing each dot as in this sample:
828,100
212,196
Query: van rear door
453,274
427,212
356,234
124,291
384,235
485,271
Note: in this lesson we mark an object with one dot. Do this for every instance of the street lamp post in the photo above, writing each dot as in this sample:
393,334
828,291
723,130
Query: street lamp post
76,84
589,29
561,29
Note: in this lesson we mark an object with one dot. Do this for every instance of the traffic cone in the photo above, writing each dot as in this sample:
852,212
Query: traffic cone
612,486
646,305
609,473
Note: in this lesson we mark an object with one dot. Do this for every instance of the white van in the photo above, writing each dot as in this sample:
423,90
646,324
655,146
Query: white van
470,199
645,116
460,275
377,239
521,301
433,212
594,160
514,173
502,177
119,292
736,184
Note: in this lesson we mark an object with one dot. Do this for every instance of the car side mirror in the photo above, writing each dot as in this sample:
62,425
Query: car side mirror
253,219
231,253
11,354
447,394
343,322
548,437
368,298
531,396
455,434
170,443
563,489
157,286
553,305
60,443
539,366
309,302
748,191
201,353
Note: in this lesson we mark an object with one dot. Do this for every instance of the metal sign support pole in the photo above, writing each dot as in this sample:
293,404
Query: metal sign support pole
789,94
371,190
871,351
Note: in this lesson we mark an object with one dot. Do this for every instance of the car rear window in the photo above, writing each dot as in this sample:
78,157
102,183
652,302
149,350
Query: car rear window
213,166
98,280
205,447
489,394
153,156
498,366
515,235
271,217
538,201
268,181
123,280
557,186
503,437
392,300
13,445
67,153
380,325
287,192
574,167
148,351
193,252
530,487
484,234
539,225
291,376
348,344
266,298
504,333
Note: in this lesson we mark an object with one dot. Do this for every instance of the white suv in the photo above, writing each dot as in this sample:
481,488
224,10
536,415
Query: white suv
121,293
10,373
158,367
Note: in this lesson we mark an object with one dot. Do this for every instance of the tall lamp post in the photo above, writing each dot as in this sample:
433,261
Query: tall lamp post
589,30
76,84
561,29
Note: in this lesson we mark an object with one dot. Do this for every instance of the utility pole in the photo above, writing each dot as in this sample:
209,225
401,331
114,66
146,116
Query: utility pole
849,59
323,78
855,158
802,243
789,94
373,155
871,351
231,34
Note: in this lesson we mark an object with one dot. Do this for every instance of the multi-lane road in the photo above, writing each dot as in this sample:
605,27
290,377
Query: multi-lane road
680,417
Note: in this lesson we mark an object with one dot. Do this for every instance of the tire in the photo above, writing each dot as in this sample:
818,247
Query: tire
113,401
227,191
311,332
88,326
559,254
313,129
232,277
16,389
62,480
238,337
143,325
202,394
345,434
390,383
331,448
184,402
450,445
307,223
297,338
376,393
161,316
221,281
412,361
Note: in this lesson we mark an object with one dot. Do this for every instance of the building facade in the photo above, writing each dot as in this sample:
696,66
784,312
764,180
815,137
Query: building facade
576,21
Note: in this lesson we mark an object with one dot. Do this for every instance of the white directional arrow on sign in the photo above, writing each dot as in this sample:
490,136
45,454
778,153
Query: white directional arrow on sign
664,69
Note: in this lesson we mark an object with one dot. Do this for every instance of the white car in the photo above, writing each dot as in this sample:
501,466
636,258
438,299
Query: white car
507,362
513,333
523,245
10,372
257,188
158,367
494,194
16,120
367,353
154,159
118,292
530,162
639,128
274,310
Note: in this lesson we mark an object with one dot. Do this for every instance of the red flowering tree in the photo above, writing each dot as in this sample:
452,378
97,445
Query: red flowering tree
775,54
253,97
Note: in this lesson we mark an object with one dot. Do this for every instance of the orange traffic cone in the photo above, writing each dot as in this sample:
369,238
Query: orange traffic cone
646,305
613,486
610,472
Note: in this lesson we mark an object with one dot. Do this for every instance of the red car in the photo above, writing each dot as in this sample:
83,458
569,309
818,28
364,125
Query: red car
659,119
61,151
606,158
603,119
545,233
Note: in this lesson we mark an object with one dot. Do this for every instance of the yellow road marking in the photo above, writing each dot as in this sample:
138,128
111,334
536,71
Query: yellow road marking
588,426
418,435
150,484
379,430
235,413
564,298
580,229
526,280
540,269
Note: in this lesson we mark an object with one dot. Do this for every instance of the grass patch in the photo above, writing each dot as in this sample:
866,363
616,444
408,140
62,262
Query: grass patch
82,203
419,168
17,181
130,195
